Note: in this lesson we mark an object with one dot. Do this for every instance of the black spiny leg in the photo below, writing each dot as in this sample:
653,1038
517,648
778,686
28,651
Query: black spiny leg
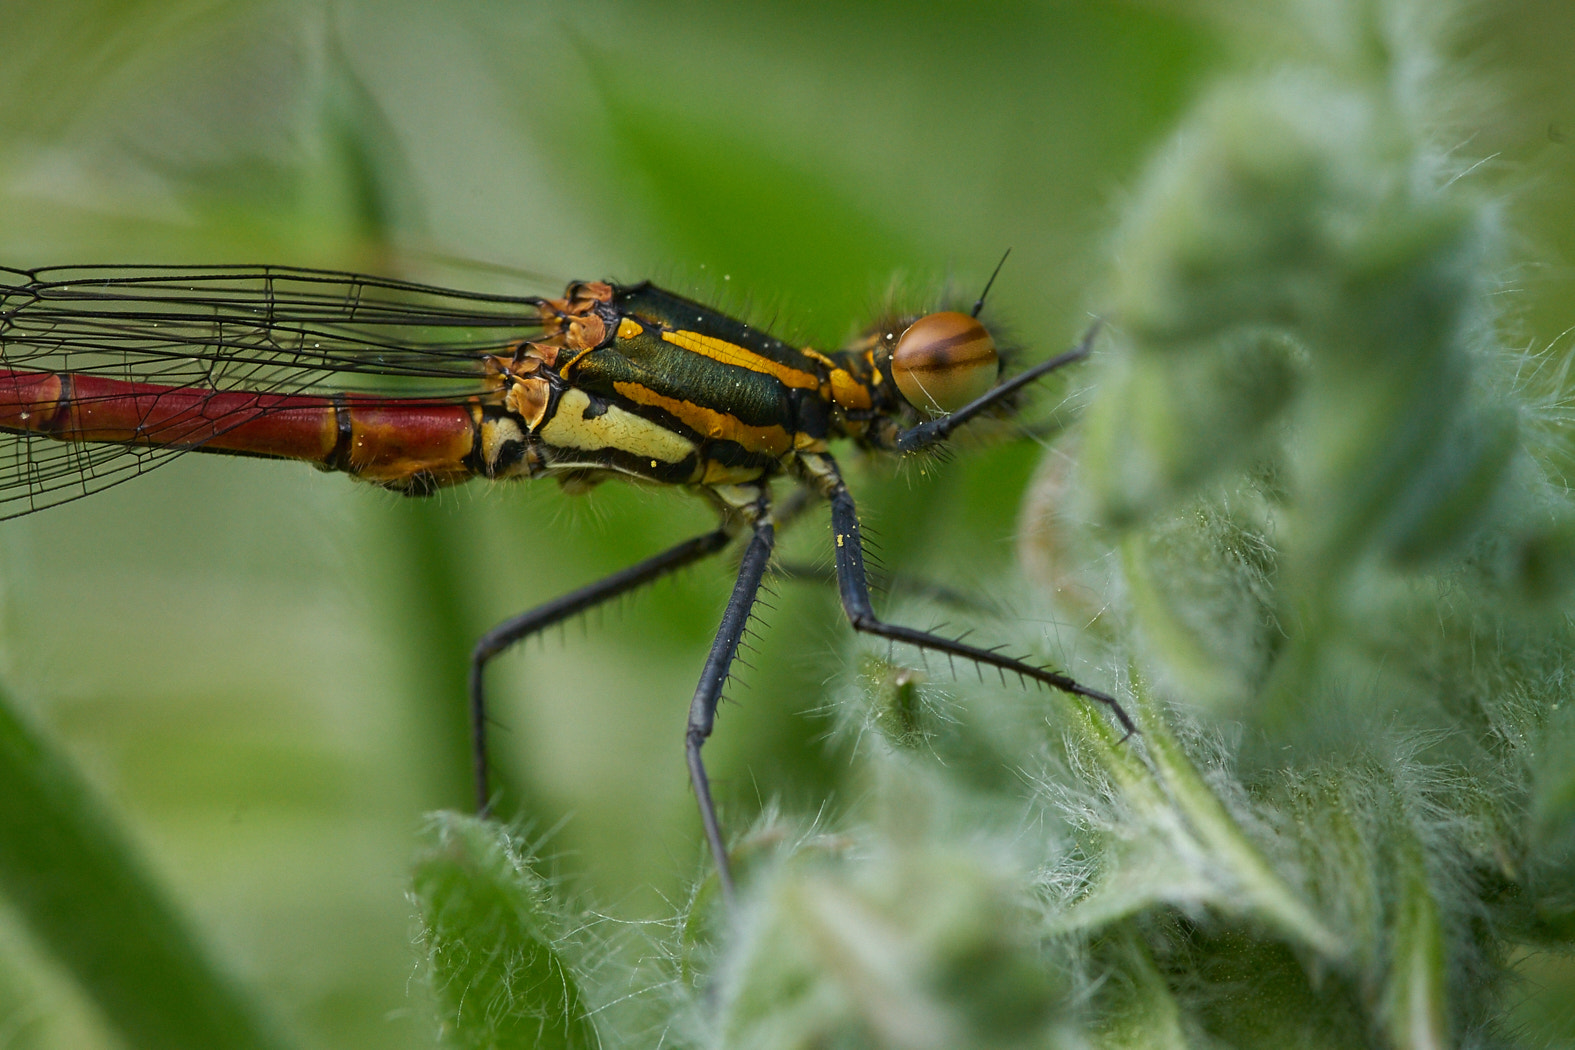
702,711
526,624
854,590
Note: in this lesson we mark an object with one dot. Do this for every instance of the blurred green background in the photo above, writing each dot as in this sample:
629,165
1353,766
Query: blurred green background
262,668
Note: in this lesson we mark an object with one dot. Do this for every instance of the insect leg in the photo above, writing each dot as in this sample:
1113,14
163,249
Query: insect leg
854,590
702,710
805,572
528,623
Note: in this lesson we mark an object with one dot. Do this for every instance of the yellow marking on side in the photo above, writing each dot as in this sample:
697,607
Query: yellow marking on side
722,474
733,354
496,434
847,391
805,443
744,498
567,367
816,356
628,328
615,428
718,426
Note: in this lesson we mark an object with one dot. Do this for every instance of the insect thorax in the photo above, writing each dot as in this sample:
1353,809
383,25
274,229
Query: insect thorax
637,381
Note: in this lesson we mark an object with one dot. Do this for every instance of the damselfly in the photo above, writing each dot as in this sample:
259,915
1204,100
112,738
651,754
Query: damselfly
107,372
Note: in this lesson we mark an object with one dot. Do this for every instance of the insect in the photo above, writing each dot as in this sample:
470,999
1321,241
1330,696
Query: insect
105,372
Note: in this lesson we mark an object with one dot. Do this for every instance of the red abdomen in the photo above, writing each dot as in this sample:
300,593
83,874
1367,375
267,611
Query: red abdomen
403,443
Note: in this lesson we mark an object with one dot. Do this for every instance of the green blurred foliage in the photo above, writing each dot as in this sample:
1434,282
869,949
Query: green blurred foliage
496,969
261,669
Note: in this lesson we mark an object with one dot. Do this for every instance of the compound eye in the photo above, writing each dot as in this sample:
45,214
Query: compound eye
943,361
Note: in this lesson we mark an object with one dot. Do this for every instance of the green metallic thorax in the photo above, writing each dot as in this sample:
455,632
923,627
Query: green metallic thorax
646,383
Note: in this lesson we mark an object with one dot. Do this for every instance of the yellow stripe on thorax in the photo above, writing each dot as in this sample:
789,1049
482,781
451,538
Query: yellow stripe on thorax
733,354
841,386
718,426
614,428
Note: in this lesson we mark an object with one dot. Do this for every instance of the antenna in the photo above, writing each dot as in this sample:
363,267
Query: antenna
980,304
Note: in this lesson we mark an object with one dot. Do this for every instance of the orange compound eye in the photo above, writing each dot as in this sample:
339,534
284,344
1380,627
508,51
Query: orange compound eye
943,361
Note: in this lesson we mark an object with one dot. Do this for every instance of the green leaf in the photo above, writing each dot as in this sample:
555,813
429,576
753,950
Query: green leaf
494,944
932,948
84,895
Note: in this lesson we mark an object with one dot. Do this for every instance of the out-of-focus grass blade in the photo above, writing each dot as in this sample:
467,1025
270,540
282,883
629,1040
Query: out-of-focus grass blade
86,898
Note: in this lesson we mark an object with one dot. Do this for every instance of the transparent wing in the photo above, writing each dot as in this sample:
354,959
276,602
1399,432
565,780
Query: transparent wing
269,330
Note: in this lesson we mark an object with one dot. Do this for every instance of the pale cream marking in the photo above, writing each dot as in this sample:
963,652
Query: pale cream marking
495,434
615,428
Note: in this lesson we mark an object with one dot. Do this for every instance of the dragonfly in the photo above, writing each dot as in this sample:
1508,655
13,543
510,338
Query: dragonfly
107,372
